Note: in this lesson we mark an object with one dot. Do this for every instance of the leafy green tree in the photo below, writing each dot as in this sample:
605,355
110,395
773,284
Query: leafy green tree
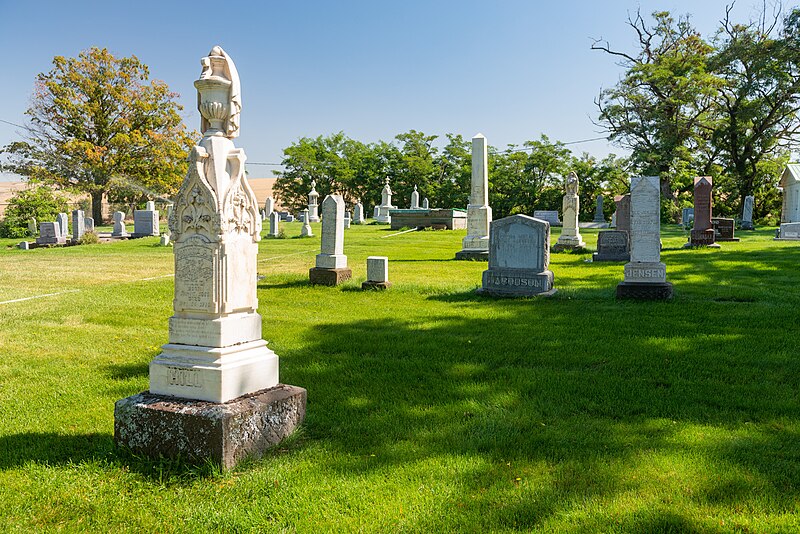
607,177
757,103
95,123
452,186
41,203
661,109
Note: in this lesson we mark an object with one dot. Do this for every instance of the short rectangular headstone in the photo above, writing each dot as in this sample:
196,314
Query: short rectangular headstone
724,229
377,273
519,257
145,223
88,224
50,234
787,232
612,245
551,216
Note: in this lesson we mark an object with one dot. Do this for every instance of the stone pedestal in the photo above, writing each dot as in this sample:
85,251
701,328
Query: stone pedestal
158,425
382,212
475,246
328,277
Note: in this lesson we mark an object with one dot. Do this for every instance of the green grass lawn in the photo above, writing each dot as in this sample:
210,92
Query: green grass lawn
430,409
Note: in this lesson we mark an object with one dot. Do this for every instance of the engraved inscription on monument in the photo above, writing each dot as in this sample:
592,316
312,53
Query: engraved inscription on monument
194,289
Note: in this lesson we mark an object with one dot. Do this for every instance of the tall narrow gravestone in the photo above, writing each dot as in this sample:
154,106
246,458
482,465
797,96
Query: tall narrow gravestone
214,392
598,210
519,256
331,266
63,229
570,237
305,230
645,275
358,213
274,224
702,233
415,199
747,213
78,225
382,211
313,203
269,206
623,204
475,246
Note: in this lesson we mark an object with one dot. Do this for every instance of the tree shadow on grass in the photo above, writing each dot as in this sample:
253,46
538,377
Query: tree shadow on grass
513,381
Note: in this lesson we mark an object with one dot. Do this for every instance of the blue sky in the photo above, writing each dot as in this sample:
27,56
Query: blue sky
510,69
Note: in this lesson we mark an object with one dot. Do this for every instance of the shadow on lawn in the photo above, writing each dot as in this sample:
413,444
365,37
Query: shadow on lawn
532,382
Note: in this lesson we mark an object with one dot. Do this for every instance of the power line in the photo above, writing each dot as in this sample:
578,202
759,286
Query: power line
13,124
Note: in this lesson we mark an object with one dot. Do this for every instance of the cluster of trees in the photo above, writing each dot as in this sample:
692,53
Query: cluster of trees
724,106
522,178
98,125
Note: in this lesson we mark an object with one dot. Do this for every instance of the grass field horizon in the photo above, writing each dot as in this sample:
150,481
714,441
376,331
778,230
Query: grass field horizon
430,408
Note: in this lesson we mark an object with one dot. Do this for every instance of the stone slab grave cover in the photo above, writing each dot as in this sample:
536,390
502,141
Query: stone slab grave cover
724,229
119,225
570,238
475,246
551,216
612,245
747,213
702,233
214,389
519,256
331,263
274,224
645,275
78,225
377,273
50,234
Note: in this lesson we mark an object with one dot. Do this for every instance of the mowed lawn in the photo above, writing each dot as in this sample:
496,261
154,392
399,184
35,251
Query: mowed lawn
430,409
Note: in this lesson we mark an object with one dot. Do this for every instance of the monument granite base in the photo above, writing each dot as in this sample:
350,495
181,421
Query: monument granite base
163,426
328,277
375,285
644,291
473,255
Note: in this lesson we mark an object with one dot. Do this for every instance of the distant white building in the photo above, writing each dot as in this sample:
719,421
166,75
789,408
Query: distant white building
790,183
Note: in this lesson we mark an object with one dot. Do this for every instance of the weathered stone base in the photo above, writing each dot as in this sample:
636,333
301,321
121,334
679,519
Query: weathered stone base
691,244
499,282
161,426
376,285
329,277
473,255
561,247
747,225
597,256
640,291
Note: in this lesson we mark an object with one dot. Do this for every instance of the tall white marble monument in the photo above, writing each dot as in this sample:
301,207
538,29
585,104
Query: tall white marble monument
475,245
382,211
570,237
313,203
331,265
215,351
645,274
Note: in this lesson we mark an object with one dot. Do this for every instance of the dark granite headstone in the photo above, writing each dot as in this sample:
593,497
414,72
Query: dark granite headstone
723,229
702,233
612,245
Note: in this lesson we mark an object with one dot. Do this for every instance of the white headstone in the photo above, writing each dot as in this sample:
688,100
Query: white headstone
119,225
215,351
313,207
63,229
551,216
347,218
570,235
331,254
145,223
150,206
274,224
358,213
425,204
415,199
305,230
269,206
33,228
747,213
479,214
377,269
382,211
645,233
88,224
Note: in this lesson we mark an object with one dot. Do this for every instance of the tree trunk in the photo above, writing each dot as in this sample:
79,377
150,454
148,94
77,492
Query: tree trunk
97,207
